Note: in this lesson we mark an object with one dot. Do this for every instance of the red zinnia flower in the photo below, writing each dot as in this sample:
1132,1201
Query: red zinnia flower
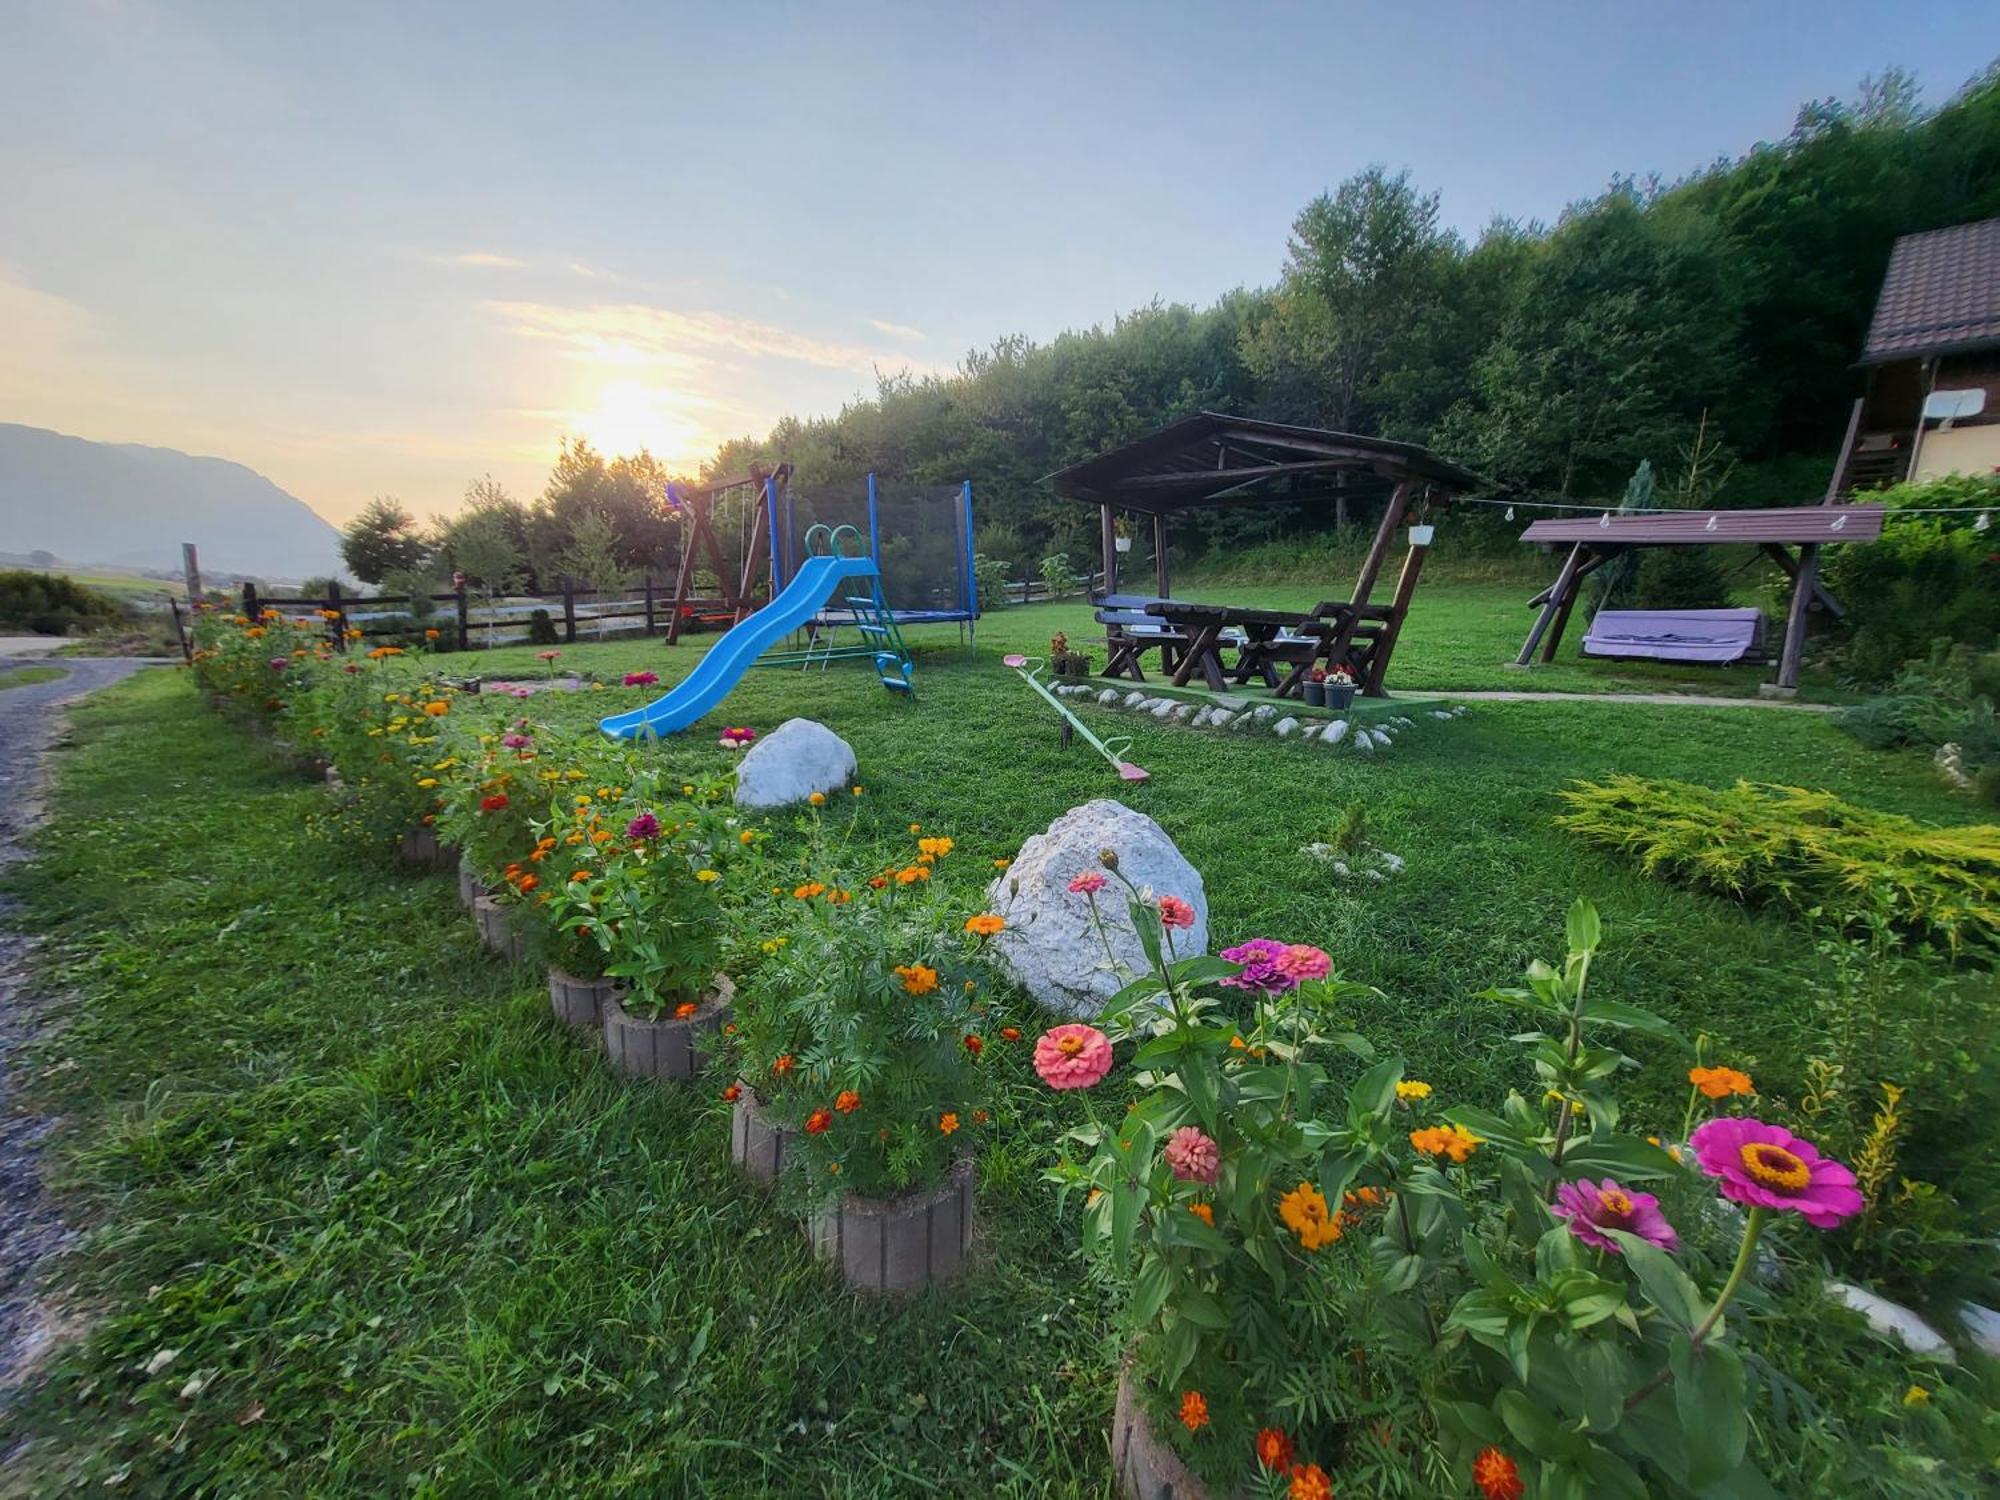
1274,1449
818,1120
493,803
1175,912
1497,1475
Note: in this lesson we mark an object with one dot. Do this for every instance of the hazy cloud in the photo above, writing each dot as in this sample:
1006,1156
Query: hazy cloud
634,333
482,259
897,330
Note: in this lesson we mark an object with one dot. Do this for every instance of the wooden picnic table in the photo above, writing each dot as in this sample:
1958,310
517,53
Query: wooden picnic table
1204,625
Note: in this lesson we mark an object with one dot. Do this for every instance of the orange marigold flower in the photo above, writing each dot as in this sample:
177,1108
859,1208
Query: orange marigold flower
980,1117
876,882
847,1101
974,1043
818,1120
1304,1211
437,708
1010,1033
1720,1083
807,891
577,875
1203,1212
917,978
529,882
911,874
1194,1410
839,898
783,1065
985,924
947,1122
685,1009
1310,1482
935,848
1497,1475
1446,1140
731,1094
1274,1449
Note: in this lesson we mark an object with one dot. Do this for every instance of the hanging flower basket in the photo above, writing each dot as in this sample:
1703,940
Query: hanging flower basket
758,1145
581,1002
900,1244
671,1048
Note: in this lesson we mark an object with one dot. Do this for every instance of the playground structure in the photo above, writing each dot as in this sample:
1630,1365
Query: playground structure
826,585
1113,750
920,538
694,505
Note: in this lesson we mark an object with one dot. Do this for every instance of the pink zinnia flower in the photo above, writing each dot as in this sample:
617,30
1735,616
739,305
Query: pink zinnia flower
737,739
516,741
1766,1166
1193,1156
547,655
1259,958
1175,912
1089,883
645,826
1301,961
279,663
1072,1056
641,679
1593,1207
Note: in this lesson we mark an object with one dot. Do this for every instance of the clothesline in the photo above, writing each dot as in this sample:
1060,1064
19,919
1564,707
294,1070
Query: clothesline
1890,513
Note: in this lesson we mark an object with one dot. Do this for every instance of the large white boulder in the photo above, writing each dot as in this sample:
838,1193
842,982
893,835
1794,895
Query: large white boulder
792,762
1050,946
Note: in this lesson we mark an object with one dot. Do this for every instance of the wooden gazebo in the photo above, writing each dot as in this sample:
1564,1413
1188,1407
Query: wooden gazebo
1211,459
1595,540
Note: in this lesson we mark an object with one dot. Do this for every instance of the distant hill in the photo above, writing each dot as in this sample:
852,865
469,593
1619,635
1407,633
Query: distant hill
131,506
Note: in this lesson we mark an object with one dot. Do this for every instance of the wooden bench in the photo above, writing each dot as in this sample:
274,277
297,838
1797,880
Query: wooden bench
1130,632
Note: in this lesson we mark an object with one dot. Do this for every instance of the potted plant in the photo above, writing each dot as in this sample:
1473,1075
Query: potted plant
651,900
1338,686
858,1053
1065,663
1121,534
1327,1276
1314,688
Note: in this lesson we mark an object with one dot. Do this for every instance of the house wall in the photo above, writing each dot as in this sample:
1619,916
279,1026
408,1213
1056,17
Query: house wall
1972,444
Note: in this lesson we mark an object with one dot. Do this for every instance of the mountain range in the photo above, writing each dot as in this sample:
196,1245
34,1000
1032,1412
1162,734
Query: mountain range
131,506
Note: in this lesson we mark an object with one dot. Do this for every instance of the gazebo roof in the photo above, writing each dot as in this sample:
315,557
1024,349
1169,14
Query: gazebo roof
1211,458
1791,523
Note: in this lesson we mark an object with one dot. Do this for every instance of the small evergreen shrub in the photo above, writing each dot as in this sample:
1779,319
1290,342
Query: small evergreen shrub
1808,851
1680,578
542,629
1945,699
52,604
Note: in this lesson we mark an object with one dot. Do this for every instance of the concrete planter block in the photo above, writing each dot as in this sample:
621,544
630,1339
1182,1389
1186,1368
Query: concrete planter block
1143,1465
758,1145
470,887
333,779
497,930
580,1002
420,847
669,1050
900,1244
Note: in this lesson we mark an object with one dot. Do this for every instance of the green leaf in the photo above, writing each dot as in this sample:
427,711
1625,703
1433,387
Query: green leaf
1374,1092
1582,928
1201,1309
1197,1081
1201,968
1402,1274
1337,1170
1602,1374
1624,1157
1146,922
1149,1290
1622,1017
1664,1283
1526,999
1124,1218
1708,1394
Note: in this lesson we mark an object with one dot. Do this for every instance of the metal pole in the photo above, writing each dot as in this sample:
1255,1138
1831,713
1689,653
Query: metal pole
874,523
965,527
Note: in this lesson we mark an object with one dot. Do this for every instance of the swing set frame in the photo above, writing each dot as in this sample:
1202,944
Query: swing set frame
695,505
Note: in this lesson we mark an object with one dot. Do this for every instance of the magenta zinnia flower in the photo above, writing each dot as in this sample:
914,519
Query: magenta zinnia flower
737,739
641,679
1089,883
1175,912
516,741
1301,961
1259,958
1766,1166
1072,1056
1593,1207
1193,1156
645,826
279,663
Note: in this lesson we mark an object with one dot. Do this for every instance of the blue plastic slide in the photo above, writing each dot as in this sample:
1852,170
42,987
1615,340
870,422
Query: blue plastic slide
717,673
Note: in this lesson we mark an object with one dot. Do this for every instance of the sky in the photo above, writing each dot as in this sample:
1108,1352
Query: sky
384,249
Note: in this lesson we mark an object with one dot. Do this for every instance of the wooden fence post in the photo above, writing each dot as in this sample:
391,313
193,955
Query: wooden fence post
569,611
251,608
180,629
648,576
464,618
336,628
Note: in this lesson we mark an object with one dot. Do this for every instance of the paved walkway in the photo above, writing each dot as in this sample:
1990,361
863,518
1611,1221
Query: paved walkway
29,1225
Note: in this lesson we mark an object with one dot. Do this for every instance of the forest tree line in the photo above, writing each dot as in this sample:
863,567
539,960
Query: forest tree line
1708,326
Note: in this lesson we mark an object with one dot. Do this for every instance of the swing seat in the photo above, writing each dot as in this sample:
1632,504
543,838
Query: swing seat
1699,635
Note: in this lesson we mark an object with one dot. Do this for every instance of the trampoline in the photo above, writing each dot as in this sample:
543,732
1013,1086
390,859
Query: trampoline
919,536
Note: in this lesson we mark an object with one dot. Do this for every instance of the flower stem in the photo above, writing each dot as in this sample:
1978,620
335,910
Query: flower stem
1687,1120
1745,1255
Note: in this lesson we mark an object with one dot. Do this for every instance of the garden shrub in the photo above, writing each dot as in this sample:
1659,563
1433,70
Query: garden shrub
1680,578
1805,850
1932,703
53,604
990,574
1929,576
542,629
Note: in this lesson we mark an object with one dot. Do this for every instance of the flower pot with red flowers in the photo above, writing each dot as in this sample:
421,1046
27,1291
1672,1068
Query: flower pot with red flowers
1490,1287
1338,687
864,1033
647,906
1314,688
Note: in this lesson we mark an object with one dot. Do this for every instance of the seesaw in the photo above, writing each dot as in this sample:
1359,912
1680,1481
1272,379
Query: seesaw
1112,750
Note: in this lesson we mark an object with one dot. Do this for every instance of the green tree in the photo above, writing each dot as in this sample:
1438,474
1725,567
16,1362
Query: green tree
382,540
592,559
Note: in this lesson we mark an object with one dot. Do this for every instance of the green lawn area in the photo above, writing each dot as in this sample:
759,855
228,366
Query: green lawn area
399,1235
28,676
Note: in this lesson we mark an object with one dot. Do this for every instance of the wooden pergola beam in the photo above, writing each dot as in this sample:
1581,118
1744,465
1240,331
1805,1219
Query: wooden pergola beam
1201,479
1565,582
1804,582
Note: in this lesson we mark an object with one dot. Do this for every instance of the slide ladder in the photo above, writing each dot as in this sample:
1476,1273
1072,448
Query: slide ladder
749,643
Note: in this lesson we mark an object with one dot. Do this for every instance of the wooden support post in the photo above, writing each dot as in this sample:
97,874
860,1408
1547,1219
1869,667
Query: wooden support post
1406,588
569,611
250,605
464,612
191,570
1803,583
682,580
1160,554
1378,550
1565,581
1108,528
181,629
1563,606
647,578
1821,597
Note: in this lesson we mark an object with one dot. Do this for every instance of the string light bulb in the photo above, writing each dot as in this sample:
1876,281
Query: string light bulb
1510,512
1982,523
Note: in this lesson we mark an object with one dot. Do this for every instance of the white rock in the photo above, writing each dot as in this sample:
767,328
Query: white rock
1402,721
1263,713
1983,1325
1108,697
1892,1320
1311,731
1181,711
1335,732
1133,699
1363,740
1439,713
792,762
1286,727
1161,707
1050,946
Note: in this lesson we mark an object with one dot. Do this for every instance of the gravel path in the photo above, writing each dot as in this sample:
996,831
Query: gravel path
30,1228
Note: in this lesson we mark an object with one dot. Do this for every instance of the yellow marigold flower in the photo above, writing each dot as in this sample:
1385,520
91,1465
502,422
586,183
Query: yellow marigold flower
1001,864
857,791
1916,1395
1446,1140
427,782
572,774
583,802
1413,1088
817,799
918,979
705,876
1303,1211
985,924
947,1122
437,708
936,848
745,837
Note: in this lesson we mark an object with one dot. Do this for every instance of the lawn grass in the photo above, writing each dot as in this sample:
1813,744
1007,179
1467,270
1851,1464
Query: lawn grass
13,677
404,1236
